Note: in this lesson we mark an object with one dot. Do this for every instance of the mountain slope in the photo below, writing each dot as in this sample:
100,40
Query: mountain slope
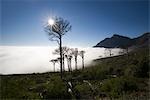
142,40
118,41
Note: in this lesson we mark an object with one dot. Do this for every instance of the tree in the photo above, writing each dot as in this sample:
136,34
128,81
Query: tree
81,53
69,59
75,54
66,56
54,61
56,30
64,52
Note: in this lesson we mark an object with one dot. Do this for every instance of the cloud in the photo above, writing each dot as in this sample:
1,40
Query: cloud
27,59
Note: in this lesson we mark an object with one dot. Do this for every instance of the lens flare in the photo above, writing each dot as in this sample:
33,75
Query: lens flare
51,21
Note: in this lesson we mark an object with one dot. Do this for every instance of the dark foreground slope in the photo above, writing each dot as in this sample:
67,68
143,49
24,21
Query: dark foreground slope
123,77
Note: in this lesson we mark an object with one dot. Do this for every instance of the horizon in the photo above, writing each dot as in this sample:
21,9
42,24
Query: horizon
92,21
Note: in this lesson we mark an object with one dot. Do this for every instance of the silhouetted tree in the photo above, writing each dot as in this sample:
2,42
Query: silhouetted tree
69,59
56,31
64,51
66,56
81,53
54,61
75,54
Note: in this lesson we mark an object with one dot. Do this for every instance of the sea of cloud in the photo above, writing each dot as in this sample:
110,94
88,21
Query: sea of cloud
35,59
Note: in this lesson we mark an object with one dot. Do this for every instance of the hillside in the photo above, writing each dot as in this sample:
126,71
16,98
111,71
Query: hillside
124,76
118,41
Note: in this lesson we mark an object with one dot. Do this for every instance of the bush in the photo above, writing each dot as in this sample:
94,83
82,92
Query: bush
117,86
56,89
143,69
84,90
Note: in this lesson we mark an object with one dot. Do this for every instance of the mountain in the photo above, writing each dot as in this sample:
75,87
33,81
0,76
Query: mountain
118,41
142,40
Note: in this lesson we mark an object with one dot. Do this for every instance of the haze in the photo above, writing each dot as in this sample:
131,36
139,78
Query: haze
27,59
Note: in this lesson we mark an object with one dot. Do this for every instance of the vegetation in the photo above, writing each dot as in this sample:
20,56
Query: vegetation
118,77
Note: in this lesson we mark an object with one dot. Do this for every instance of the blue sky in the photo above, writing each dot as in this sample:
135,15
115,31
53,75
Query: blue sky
22,21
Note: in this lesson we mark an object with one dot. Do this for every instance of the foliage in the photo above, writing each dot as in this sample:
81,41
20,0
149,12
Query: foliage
84,90
33,87
56,88
115,87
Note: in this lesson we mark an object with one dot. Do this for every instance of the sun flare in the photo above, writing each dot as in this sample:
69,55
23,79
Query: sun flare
51,21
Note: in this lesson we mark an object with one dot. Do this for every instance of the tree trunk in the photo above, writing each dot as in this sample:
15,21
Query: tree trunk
110,52
82,62
60,55
54,67
76,63
63,62
70,66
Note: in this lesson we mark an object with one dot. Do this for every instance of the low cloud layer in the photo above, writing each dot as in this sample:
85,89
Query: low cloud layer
21,59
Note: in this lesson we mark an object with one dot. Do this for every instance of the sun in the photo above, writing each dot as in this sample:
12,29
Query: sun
51,21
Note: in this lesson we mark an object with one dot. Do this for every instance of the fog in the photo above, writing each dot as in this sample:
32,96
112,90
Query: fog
31,59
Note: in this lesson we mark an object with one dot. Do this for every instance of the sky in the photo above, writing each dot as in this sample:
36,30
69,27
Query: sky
22,21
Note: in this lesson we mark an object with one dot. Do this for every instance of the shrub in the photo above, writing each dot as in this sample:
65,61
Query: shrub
56,89
143,69
117,86
84,91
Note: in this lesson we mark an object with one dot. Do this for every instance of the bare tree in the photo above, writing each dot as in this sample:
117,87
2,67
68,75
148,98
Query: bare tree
69,59
56,31
81,53
54,61
66,56
75,54
64,52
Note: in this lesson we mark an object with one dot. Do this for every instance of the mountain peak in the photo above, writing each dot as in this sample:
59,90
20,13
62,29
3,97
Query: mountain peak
118,41
116,35
119,36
